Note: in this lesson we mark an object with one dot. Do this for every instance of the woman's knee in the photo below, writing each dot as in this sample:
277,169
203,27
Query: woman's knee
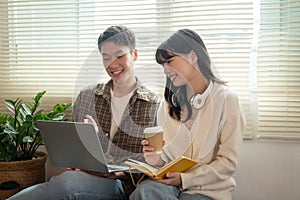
149,185
150,189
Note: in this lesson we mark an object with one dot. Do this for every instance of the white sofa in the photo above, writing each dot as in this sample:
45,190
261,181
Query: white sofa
268,170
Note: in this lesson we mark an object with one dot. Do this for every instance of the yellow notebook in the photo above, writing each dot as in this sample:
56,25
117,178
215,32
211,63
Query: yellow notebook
179,165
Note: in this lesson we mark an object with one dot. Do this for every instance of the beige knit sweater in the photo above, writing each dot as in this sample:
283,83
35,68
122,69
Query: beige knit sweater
213,140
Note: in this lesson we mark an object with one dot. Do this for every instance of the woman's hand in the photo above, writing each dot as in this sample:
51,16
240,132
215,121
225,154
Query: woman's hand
150,154
172,178
90,120
151,157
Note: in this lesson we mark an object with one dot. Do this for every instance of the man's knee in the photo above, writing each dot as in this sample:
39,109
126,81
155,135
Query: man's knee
65,180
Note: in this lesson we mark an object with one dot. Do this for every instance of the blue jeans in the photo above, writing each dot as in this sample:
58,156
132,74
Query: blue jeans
149,189
74,185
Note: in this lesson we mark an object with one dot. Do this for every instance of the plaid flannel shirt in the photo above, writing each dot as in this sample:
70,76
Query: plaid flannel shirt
139,114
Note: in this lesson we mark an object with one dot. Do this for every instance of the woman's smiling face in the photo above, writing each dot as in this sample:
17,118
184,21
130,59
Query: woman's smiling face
179,69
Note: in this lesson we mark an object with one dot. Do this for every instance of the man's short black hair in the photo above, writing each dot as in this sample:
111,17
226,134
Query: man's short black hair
120,35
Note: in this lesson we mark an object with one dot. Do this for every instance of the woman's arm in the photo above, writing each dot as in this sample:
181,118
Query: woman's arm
225,162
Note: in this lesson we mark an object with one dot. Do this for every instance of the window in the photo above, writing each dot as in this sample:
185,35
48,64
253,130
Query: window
278,70
52,45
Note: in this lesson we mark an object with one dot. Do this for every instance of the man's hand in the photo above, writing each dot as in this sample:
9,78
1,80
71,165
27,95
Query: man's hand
113,175
90,120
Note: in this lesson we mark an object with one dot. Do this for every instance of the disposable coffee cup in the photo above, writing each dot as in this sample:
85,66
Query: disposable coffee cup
155,137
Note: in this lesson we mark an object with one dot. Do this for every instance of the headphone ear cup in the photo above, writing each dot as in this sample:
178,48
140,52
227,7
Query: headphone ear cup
197,101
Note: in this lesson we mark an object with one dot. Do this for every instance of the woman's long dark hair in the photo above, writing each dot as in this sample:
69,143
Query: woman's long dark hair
183,42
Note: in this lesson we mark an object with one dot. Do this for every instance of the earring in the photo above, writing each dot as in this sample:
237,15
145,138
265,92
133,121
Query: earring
198,100
177,99
174,99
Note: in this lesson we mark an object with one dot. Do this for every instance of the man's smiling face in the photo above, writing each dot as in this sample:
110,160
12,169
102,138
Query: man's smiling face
118,61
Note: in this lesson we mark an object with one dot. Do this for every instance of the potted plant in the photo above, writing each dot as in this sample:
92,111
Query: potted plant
20,139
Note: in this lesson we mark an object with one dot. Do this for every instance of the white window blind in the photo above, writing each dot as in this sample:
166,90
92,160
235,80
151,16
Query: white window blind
278,69
227,30
52,45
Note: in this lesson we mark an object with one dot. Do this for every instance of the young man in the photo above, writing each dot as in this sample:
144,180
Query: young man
119,110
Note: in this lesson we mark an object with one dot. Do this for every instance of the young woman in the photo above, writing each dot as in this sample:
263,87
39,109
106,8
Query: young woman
202,120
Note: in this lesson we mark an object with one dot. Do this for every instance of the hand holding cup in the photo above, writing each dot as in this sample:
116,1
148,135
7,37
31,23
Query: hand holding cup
154,136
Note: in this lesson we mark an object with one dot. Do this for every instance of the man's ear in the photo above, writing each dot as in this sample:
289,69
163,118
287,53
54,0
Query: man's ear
135,54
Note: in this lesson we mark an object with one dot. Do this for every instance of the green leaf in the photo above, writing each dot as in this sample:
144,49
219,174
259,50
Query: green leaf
27,124
35,128
27,139
10,133
23,114
3,118
9,101
10,105
9,129
58,117
51,114
42,116
26,110
38,97
61,107
58,108
67,105
20,121
38,113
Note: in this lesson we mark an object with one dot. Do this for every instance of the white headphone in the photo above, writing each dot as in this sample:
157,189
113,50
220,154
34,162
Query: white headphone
198,100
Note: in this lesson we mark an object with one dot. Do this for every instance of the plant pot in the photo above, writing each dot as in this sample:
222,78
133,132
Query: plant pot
8,188
26,173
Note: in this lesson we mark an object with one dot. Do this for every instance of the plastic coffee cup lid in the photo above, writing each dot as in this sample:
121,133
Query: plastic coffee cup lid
155,129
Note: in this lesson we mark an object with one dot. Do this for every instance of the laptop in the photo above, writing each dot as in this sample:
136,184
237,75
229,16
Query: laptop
75,145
